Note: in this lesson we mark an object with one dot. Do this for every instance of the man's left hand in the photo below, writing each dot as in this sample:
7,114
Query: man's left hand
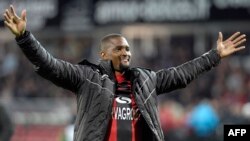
230,45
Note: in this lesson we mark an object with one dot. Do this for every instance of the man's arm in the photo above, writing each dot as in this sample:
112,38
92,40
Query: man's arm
61,73
178,77
58,71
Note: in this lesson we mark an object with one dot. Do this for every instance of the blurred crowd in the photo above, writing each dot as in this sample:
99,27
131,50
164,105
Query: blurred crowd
198,112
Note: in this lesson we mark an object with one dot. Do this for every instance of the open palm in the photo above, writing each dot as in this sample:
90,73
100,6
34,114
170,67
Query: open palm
16,24
230,45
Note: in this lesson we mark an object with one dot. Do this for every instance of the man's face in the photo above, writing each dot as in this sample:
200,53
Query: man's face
118,52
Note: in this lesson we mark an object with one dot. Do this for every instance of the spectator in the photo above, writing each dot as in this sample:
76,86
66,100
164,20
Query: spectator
6,127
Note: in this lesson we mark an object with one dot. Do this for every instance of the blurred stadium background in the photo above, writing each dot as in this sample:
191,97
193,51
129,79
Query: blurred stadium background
162,33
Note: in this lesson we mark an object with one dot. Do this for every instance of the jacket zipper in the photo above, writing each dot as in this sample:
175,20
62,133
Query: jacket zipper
143,114
109,113
139,107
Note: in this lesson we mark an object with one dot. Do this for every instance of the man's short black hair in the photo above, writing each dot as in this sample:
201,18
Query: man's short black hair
106,38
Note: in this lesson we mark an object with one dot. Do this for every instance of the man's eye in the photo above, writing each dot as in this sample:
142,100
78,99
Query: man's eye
117,49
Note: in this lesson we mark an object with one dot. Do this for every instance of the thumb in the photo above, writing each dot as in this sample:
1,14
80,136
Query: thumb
23,15
220,38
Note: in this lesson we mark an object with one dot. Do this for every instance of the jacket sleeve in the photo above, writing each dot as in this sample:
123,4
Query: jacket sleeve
178,77
61,73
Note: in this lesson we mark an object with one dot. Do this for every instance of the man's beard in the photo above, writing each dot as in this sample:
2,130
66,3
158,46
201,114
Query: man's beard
123,67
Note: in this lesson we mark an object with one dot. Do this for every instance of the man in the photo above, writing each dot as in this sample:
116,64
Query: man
114,101
6,127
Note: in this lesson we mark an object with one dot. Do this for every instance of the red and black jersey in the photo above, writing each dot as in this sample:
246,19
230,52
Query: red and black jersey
125,124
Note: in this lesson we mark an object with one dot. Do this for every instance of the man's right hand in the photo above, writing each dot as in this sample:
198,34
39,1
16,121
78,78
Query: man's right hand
16,24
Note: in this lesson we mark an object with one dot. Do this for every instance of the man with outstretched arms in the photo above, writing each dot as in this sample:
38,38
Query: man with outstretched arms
114,101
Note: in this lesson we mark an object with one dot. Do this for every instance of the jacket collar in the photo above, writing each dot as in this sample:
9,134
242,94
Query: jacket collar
105,66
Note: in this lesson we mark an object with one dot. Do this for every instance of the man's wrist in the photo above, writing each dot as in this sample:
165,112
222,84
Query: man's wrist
22,37
21,33
218,53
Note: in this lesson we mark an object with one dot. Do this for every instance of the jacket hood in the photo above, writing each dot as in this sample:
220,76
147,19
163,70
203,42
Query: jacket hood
105,66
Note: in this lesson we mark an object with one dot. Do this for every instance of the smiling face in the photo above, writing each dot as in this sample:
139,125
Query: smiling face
116,49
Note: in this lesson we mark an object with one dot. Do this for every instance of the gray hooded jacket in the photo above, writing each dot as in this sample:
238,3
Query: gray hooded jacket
94,86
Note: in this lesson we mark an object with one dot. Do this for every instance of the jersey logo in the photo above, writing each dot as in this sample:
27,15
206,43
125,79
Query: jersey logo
123,100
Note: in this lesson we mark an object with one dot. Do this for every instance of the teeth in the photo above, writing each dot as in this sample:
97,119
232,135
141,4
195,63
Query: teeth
125,59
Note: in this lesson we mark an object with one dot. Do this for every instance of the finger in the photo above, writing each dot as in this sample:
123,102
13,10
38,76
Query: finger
7,24
233,36
7,18
220,38
12,10
23,15
8,13
239,38
239,48
239,42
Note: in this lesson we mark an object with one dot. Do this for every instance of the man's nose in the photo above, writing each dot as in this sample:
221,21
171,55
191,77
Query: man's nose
124,52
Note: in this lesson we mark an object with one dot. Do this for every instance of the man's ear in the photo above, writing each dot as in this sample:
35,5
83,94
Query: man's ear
102,55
